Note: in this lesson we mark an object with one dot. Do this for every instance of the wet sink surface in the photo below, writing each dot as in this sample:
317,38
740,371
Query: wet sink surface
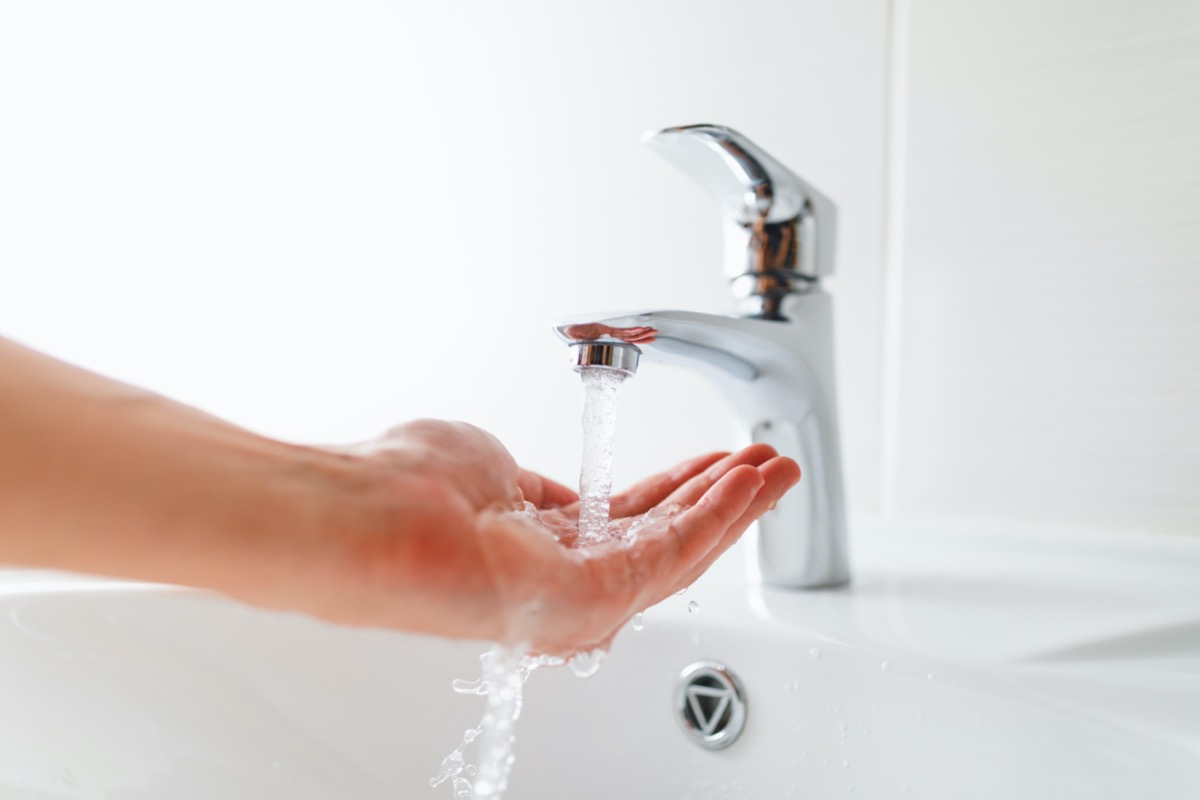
961,663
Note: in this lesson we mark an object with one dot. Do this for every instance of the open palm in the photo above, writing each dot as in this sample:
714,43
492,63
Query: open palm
452,543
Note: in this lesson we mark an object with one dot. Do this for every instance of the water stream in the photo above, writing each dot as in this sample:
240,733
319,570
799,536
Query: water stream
601,387
503,671
502,676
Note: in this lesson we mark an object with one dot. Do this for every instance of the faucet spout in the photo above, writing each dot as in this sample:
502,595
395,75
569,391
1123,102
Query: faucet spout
775,365
778,376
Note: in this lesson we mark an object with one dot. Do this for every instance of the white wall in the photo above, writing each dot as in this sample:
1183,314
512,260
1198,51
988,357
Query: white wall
320,219
1050,306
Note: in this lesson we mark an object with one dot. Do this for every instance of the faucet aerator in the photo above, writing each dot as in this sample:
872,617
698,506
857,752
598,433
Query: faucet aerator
605,355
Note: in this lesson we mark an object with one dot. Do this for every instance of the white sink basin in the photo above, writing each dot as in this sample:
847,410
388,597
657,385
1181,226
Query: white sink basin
961,664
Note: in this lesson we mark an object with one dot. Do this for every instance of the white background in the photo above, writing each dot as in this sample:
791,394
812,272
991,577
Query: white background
318,219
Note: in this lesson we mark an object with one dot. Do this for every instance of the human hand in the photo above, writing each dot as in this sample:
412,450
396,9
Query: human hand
417,531
448,553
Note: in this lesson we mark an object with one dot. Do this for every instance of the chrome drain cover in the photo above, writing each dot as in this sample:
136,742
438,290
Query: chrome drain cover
710,704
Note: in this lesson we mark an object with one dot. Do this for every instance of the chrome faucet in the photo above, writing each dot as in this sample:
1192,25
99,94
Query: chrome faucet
775,363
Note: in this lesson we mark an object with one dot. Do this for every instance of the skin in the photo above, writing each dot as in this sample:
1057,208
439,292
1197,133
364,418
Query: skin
413,531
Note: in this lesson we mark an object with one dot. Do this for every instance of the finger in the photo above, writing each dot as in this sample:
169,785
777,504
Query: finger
779,475
661,561
690,492
543,492
648,493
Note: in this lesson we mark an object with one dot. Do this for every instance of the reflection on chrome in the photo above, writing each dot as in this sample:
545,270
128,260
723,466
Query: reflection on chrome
591,331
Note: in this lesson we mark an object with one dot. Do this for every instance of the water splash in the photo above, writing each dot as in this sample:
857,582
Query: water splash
503,673
621,532
594,525
587,664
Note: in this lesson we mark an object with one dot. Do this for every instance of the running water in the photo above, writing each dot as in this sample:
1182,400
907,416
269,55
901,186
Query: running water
600,390
502,677
504,670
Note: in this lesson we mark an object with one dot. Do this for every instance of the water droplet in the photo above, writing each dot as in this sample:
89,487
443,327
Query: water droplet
845,764
477,686
585,665
681,591
814,653
638,622
276,765
930,676
842,728
885,666
696,640
471,770
693,606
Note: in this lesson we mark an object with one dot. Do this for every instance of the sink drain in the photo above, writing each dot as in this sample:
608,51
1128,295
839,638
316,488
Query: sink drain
710,704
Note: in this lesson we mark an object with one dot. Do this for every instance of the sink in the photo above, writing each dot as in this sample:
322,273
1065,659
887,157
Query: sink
963,662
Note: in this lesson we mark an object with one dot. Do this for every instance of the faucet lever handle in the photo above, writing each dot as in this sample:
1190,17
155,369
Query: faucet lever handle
781,229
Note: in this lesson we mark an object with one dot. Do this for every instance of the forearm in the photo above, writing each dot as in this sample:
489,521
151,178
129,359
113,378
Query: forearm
97,476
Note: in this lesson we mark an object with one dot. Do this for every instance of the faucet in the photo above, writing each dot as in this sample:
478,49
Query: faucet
775,361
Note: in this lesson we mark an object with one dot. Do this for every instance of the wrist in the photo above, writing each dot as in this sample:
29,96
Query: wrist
284,528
